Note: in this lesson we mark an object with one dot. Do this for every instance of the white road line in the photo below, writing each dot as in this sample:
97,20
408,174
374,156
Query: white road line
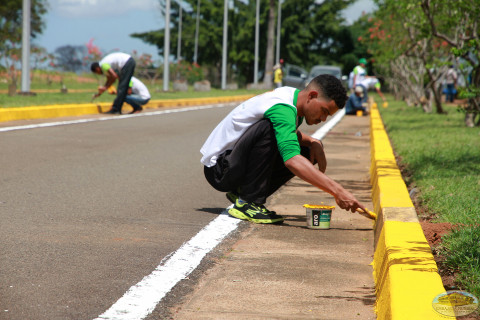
118,117
141,299
320,133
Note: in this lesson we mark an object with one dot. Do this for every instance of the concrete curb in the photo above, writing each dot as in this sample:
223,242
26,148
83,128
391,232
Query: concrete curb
69,110
405,273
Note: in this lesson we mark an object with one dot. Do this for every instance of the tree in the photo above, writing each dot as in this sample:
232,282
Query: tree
313,32
428,36
71,58
210,36
458,27
414,62
11,30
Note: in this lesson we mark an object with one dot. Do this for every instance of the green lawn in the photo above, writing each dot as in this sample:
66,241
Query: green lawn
54,82
442,161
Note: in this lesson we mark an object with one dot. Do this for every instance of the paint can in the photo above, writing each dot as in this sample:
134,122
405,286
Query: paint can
318,216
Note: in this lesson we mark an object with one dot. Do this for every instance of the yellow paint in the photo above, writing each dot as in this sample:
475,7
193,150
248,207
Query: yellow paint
405,273
69,110
314,206
367,213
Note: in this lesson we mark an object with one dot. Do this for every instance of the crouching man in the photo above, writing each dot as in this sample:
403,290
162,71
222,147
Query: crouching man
257,148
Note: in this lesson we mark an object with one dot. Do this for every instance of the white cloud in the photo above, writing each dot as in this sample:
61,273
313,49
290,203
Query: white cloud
99,8
359,7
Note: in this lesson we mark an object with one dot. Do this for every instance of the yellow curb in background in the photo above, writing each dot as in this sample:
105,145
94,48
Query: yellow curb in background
404,270
71,110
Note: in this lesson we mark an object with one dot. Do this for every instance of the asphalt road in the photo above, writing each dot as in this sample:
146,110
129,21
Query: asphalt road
87,210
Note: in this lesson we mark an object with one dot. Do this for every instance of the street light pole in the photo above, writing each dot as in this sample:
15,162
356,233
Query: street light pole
195,53
224,53
179,40
279,23
26,46
257,28
166,46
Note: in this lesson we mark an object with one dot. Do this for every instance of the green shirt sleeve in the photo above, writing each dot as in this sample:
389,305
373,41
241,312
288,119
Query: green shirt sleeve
284,118
105,67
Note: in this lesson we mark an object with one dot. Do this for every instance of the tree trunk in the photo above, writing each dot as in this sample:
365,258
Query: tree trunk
12,89
469,119
437,95
438,101
267,79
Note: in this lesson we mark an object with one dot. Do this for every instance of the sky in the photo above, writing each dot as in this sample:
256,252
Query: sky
110,22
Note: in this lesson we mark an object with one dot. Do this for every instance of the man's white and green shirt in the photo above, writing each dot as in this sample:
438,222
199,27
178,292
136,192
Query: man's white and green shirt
279,106
115,60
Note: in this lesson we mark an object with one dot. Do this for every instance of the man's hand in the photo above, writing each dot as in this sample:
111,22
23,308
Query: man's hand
317,155
101,90
347,201
303,168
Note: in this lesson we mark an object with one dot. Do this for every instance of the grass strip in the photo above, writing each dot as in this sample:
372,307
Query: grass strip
80,89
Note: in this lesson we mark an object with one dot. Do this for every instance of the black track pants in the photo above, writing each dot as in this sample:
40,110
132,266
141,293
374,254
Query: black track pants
254,168
125,76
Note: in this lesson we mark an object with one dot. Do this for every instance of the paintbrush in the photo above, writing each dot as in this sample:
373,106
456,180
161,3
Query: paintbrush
367,213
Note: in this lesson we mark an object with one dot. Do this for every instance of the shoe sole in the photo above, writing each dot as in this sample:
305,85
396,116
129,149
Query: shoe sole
240,215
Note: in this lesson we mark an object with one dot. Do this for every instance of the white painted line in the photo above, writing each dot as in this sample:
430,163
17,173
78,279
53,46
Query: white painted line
141,299
118,117
320,133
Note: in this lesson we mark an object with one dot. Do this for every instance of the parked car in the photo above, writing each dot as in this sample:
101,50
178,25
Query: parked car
332,70
294,76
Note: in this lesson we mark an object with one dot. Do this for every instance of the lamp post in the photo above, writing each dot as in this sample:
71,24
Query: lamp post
257,28
26,46
224,53
166,46
195,53
179,40
279,24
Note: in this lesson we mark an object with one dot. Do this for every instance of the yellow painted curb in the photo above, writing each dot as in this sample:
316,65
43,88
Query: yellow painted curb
69,110
405,273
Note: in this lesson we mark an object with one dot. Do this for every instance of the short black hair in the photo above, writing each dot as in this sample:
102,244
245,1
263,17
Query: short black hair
331,88
94,66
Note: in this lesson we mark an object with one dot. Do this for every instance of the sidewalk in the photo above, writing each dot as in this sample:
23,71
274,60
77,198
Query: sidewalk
291,272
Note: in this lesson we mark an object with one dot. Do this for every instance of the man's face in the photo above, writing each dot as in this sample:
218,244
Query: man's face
318,109
98,70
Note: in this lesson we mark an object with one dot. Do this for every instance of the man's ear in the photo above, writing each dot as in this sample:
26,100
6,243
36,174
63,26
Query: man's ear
312,94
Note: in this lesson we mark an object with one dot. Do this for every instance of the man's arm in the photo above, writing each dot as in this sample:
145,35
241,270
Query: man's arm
111,77
317,153
303,169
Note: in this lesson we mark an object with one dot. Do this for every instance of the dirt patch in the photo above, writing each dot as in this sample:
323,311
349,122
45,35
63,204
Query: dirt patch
435,231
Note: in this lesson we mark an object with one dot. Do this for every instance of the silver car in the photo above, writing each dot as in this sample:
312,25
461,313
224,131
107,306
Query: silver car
318,70
294,76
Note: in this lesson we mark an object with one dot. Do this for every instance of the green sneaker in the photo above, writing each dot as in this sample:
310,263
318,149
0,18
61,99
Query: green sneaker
254,212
